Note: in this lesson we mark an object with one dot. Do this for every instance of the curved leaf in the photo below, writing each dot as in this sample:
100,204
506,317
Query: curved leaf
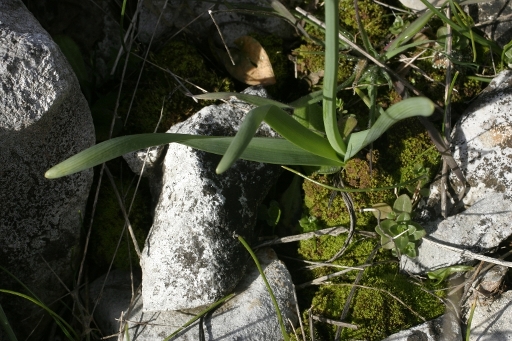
285,125
330,77
417,106
269,150
252,99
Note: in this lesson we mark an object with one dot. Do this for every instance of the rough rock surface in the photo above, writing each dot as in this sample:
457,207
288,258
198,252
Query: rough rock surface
443,328
483,150
191,258
493,17
93,28
193,15
250,315
44,119
491,319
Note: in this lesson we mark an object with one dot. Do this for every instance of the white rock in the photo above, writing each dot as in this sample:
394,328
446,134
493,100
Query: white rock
191,258
483,151
417,5
249,316
491,319
44,119
443,328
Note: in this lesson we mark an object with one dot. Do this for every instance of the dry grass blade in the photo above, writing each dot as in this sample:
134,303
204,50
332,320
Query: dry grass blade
469,254
333,322
344,313
320,280
330,231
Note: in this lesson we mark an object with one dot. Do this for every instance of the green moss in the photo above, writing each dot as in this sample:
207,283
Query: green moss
374,18
311,59
183,60
355,175
109,221
376,313
408,145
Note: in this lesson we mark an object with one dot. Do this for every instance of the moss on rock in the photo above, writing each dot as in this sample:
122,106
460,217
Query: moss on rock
374,18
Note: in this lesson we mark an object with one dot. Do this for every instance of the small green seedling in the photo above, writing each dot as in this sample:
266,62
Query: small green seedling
271,214
397,231
441,274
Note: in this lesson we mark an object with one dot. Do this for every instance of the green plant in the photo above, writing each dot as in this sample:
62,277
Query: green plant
299,145
397,231
441,274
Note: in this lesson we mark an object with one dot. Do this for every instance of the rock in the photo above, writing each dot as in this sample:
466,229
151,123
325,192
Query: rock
443,328
417,5
491,319
250,315
193,15
493,17
492,280
191,258
483,150
111,293
44,119
92,28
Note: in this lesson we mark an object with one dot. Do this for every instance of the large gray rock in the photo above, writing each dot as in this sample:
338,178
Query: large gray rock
493,17
191,258
443,328
250,315
157,22
483,149
44,119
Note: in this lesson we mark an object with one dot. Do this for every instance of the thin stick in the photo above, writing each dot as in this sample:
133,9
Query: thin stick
144,63
344,313
298,314
221,37
330,231
469,254
322,279
334,322
123,211
446,118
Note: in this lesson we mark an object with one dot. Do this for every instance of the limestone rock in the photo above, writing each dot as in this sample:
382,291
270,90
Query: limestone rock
493,17
491,319
443,328
44,119
250,315
194,16
191,258
483,149
417,5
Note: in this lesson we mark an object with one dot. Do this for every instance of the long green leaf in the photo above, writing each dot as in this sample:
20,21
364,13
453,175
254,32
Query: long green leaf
252,99
269,150
462,30
330,77
6,326
65,327
269,288
285,125
417,106
411,30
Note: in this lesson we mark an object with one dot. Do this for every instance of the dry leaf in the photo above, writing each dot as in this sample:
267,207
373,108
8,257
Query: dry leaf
252,65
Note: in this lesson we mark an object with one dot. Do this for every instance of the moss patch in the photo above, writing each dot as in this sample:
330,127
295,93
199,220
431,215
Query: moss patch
109,222
184,61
